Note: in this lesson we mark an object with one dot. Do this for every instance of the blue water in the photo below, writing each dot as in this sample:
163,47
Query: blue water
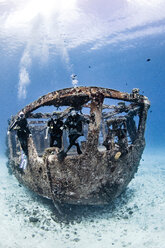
107,44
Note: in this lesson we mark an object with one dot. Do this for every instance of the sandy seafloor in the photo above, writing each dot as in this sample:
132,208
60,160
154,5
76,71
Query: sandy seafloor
136,219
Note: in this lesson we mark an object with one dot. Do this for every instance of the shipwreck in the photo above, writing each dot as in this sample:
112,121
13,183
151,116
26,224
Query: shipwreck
111,145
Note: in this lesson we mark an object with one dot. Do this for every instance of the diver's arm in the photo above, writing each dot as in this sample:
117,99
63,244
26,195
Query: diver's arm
12,125
85,119
47,130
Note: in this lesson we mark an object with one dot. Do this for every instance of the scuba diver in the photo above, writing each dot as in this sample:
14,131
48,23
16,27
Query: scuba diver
122,139
55,129
109,141
74,123
23,132
117,133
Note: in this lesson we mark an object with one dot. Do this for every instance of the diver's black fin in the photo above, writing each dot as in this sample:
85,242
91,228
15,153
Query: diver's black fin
61,155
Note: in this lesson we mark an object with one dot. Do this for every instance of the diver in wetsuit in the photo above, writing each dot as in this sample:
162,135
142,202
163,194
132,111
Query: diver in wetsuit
109,141
122,139
74,123
23,131
55,129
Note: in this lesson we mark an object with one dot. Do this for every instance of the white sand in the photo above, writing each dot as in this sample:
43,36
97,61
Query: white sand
136,220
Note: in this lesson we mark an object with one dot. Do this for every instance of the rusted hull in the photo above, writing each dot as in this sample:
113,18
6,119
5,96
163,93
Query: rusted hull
93,179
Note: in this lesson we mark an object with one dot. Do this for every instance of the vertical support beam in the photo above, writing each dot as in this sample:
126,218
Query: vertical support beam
32,151
142,119
104,134
94,125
